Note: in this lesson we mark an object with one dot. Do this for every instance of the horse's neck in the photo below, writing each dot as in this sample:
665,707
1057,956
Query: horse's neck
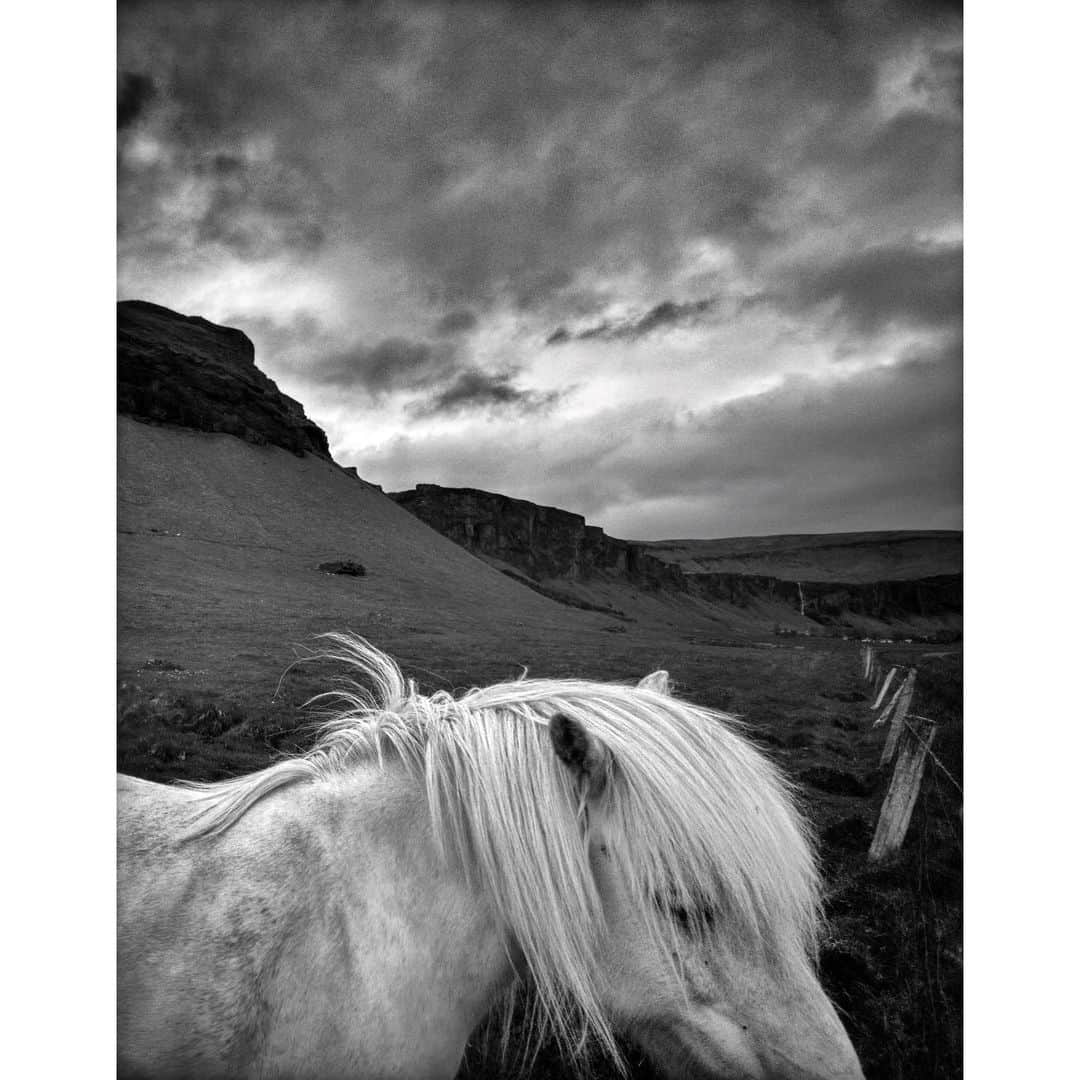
320,934
425,943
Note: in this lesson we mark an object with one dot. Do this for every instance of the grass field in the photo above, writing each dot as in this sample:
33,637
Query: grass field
218,549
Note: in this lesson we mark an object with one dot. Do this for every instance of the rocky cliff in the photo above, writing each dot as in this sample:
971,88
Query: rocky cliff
832,601
548,544
183,370
542,541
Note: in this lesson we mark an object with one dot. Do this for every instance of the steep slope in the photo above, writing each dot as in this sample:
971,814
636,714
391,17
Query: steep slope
262,510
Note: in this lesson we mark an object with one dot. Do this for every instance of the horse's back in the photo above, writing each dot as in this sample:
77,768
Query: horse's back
197,921
156,882
301,941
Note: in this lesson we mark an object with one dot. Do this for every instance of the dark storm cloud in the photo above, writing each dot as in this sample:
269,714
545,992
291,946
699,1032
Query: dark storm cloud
274,336
666,314
474,389
929,147
257,209
911,285
843,445
290,348
456,322
134,93
831,431
395,364
943,77
302,349
503,151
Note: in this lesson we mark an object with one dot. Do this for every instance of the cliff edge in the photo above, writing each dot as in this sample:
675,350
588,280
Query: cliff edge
838,580
542,541
185,371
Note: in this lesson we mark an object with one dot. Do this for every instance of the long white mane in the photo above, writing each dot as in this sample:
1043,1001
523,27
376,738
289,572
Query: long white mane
698,820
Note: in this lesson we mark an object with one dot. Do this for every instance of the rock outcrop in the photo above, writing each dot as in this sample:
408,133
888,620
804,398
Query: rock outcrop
549,544
542,541
184,370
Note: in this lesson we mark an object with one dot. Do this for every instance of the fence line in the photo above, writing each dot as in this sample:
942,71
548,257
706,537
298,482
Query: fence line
936,760
908,743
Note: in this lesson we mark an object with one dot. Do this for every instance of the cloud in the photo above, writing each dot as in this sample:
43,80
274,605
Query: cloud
456,322
253,204
428,191
275,336
257,209
474,389
913,153
395,364
877,448
302,349
668,313
942,78
918,286
134,93
504,153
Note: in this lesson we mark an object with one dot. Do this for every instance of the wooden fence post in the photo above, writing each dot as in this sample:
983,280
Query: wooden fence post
900,799
887,711
884,689
899,717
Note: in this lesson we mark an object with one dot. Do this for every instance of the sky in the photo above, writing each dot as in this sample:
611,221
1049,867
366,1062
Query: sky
690,270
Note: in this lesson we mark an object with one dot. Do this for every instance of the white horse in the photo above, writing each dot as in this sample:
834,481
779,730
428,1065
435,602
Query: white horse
359,910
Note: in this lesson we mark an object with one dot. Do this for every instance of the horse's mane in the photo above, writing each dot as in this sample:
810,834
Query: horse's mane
698,819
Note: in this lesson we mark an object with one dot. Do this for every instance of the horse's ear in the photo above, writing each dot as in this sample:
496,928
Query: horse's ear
583,754
657,681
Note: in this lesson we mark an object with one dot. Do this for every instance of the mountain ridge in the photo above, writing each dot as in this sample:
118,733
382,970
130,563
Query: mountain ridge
830,579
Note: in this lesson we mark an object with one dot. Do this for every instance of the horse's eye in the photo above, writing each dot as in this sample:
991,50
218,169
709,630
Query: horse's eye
681,916
697,919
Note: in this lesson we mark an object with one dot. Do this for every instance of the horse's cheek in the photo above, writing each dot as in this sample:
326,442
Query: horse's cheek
639,983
